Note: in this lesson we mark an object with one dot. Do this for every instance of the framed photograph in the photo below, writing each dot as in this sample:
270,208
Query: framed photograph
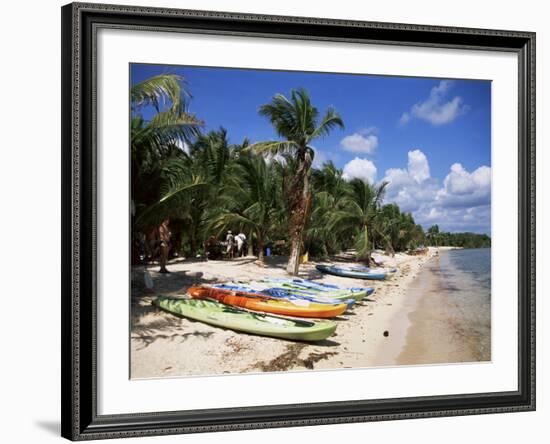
281,221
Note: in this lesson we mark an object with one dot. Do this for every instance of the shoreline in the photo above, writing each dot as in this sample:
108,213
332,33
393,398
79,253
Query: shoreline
163,345
437,314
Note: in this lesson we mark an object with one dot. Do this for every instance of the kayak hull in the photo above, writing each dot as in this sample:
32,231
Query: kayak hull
224,316
259,302
346,272
286,293
387,270
326,290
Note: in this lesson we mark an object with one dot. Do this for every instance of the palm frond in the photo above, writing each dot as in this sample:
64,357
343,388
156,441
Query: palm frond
232,220
273,147
281,114
330,121
166,128
159,91
169,205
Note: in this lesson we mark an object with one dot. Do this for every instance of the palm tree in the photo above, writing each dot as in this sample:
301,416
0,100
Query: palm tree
157,143
328,187
170,128
357,214
249,200
161,186
387,227
330,179
190,187
179,190
319,239
296,120
211,154
433,234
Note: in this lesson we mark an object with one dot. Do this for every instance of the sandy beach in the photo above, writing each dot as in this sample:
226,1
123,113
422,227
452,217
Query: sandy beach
397,325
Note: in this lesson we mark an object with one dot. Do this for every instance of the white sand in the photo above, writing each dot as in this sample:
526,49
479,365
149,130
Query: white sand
165,345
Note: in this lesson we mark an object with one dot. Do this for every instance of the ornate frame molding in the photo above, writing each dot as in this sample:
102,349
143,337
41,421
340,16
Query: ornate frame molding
80,22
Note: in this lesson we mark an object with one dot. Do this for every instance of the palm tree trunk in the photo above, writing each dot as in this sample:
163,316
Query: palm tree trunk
260,247
293,265
192,244
297,224
364,255
250,246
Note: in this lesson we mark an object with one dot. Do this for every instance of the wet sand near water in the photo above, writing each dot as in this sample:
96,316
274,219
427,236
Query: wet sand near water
439,331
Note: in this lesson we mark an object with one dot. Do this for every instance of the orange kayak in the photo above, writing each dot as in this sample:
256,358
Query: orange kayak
260,302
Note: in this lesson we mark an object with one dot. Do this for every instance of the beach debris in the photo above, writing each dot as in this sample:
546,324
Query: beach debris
291,359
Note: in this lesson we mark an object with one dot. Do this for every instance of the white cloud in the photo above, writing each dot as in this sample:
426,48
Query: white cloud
461,188
435,109
462,202
418,166
434,214
361,169
410,188
476,219
362,142
397,178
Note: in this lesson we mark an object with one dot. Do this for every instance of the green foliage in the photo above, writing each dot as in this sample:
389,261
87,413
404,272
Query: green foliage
159,173
296,120
249,202
160,91
356,213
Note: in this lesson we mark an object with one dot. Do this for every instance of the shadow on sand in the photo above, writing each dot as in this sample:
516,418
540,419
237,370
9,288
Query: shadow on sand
173,282
149,323
147,339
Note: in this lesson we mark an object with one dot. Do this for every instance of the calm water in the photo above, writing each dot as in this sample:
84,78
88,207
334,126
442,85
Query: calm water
465,280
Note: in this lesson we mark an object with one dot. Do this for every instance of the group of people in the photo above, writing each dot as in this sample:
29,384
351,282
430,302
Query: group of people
238,242
157,242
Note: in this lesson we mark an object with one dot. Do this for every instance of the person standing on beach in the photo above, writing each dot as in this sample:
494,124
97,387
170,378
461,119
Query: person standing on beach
164,237
151,245
241,239
230,239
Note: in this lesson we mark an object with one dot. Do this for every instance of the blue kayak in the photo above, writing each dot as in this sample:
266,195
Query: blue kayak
330,290
374,270
351,273
284,293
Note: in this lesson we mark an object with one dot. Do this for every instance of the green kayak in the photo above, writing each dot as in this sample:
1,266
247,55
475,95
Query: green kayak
225,316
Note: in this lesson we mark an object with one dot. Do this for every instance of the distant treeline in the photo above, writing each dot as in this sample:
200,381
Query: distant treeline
465,240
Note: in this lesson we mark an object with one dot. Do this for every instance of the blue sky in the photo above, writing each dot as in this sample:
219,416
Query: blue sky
430,138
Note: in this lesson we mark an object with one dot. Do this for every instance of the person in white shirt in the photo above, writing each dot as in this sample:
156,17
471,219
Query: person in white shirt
241,239
230,240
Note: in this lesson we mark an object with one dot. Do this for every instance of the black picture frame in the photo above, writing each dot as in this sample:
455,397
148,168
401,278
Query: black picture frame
80,420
